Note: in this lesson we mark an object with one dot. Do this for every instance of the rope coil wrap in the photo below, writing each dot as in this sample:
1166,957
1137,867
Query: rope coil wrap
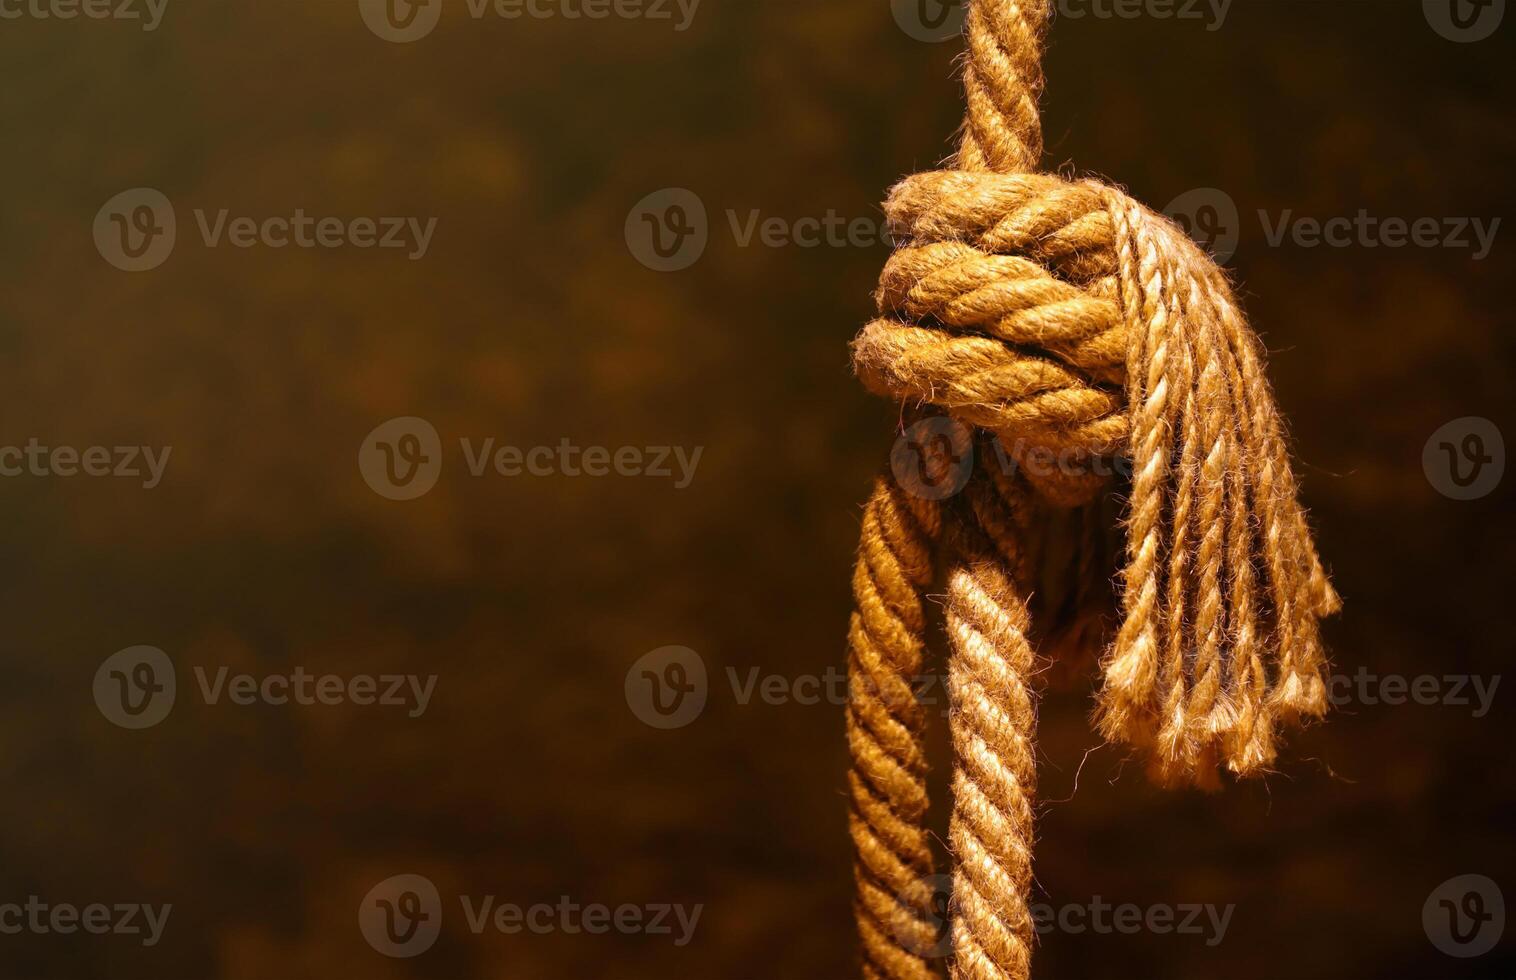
1063,319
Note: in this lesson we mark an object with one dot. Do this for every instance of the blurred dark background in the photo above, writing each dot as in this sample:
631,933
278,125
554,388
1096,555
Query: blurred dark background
531,320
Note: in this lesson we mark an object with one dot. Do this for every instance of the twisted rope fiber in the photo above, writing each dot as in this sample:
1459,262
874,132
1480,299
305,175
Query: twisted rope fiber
1065,320
886,729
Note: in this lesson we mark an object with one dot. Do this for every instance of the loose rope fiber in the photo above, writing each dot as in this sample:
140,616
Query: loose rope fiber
1068,322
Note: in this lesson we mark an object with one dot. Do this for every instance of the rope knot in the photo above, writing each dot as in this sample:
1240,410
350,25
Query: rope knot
1073,325
1077,325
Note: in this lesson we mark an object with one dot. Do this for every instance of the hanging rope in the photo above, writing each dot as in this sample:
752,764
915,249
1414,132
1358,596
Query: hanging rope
1077,328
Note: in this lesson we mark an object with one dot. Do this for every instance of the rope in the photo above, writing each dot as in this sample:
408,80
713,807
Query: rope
1075,326
885,730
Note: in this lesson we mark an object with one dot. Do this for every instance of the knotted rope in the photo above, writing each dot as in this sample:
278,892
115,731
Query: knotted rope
1070,323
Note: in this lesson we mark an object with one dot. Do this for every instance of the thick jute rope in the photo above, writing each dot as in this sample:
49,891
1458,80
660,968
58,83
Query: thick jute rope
1080,330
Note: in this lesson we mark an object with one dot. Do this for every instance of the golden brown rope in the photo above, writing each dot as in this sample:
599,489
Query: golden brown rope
1075,326
993,725
885,727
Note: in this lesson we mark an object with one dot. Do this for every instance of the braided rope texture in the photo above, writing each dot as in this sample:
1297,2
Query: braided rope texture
992,725
886,731
1067,321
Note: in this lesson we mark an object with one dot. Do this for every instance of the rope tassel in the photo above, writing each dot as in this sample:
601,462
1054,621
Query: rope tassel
1079,329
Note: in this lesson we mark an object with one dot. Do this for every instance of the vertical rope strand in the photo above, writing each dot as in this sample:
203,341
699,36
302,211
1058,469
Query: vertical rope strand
1131,671
993,727
886,729
993,720
1002,78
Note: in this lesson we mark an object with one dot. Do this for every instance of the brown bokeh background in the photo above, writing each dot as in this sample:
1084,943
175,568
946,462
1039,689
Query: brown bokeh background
530,321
